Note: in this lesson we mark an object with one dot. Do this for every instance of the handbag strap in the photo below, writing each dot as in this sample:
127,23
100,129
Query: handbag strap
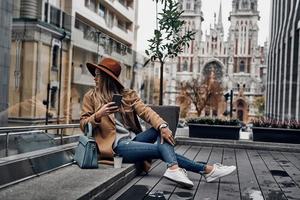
88,130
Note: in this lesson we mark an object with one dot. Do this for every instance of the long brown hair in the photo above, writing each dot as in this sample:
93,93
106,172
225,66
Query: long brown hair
105,89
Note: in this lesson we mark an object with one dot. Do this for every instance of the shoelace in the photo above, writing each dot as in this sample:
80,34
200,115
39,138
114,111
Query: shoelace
183,170
219,165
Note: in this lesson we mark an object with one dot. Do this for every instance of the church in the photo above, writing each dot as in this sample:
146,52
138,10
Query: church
236,60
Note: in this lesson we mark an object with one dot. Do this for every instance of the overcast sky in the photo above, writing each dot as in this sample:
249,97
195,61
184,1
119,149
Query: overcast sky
146,19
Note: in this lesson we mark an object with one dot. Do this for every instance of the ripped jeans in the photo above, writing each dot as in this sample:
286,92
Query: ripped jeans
143,147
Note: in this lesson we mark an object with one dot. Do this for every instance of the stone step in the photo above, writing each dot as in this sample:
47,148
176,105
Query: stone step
72,183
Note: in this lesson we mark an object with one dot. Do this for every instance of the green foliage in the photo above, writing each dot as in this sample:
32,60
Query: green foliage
213,121
169,39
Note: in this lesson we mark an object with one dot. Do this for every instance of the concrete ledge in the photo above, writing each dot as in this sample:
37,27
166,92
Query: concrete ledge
73,183
238,144
20,167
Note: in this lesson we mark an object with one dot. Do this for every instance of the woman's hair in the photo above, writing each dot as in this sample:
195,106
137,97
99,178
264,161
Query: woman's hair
106,88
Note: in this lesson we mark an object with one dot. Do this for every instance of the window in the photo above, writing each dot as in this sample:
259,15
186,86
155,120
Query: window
102,10
54,16
122,25
123,2
110,20
188,6
242,66
46,12
53,96
91,4
55,54
185,66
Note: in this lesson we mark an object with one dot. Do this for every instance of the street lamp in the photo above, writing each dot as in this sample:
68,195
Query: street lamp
229,96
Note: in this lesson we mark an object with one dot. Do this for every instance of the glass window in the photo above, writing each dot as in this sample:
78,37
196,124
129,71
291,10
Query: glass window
242,66
102,10
55,54
53,96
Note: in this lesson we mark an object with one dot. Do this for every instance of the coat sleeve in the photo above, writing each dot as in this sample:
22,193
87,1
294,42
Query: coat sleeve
88,111
145,112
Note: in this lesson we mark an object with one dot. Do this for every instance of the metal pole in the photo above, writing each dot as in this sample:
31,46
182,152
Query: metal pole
6,144
231,104
61,136
60,76
47,103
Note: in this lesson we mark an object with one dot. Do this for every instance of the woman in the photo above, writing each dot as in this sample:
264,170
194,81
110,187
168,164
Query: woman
117,129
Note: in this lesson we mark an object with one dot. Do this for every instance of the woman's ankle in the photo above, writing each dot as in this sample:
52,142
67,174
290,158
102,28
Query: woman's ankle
173,167
208,169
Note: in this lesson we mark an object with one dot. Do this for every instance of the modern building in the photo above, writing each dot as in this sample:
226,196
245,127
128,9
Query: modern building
101,29
236,60
283,80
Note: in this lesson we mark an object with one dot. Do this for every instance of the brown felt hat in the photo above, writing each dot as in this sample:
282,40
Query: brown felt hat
108,65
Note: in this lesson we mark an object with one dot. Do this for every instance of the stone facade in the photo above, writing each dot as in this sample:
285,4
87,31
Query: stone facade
51,43
236,60
5,38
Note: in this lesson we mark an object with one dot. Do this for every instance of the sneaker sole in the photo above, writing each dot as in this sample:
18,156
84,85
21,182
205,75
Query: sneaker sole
181,183
212,179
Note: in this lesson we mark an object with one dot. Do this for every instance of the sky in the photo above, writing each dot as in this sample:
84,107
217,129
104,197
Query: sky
147,22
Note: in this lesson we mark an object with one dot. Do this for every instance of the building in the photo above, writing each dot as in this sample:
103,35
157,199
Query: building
101,29
52,40
5,38
40,61
235,60
283,80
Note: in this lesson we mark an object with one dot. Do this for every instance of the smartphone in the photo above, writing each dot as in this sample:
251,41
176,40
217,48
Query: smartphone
117,99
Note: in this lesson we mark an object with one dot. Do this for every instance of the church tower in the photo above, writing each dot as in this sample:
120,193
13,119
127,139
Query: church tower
186,65
244,61
192,15
243,35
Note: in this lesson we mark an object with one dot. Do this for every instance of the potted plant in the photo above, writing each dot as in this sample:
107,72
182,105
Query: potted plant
214,128
269,130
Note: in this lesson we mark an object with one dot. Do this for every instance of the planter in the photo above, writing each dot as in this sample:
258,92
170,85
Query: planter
214,131
276,135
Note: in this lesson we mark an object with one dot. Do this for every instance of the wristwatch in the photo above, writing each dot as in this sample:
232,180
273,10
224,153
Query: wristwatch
163,126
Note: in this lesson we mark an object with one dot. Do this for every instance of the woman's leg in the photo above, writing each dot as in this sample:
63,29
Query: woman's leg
134,151
151,135
190,165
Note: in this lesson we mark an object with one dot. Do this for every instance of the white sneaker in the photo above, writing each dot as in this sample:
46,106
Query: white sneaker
219,171
179,176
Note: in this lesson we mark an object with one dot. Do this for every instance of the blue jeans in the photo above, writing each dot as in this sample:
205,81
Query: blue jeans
143,148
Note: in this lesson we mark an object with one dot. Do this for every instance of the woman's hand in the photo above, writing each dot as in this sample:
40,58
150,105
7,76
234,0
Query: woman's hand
105,110
166,134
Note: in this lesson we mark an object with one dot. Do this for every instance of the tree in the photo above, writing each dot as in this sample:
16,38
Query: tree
169,39
206,93
259,104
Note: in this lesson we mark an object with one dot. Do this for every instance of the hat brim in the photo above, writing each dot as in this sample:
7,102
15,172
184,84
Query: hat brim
92,67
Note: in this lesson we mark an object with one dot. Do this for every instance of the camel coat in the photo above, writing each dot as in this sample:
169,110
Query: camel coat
105,130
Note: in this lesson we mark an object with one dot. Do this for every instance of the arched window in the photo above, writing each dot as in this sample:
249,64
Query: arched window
242,66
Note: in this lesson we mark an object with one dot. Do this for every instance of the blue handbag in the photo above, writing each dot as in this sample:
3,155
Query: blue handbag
86,155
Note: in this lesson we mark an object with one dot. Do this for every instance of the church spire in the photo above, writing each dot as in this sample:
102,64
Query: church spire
220,23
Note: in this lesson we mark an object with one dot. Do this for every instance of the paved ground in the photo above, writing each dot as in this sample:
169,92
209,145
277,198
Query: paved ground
260,174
